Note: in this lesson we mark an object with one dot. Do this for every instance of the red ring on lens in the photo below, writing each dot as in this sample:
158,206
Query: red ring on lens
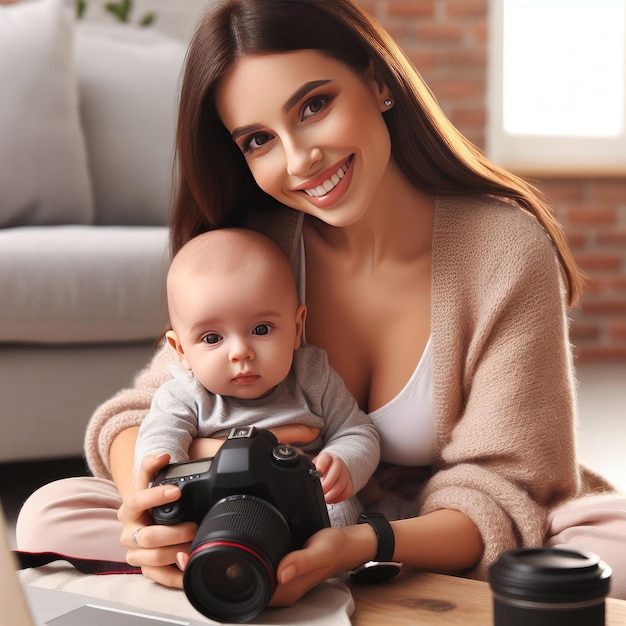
230,544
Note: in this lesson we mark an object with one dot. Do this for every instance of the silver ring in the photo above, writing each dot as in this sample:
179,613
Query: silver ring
134,537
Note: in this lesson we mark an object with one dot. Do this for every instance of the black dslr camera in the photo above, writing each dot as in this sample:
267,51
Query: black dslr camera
255,501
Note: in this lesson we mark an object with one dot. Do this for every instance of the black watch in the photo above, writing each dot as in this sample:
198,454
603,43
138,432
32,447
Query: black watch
383,567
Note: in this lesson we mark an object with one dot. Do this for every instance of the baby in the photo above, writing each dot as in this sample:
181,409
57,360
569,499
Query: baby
237,326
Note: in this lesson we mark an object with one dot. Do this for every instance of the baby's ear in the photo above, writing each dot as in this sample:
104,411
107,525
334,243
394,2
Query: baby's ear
172,339
300,319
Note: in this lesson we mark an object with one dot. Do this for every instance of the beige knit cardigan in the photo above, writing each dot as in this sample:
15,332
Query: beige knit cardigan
504,388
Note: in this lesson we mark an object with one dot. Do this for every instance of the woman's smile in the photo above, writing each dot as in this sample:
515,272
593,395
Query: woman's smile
317,189
331,188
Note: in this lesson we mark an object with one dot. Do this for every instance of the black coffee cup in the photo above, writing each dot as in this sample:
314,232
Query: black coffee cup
549,587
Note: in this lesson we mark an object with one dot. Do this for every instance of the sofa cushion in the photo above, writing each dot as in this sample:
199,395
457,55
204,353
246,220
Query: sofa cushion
43,162
128,81
82,284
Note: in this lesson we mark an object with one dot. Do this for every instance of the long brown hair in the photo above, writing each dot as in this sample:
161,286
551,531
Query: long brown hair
214,185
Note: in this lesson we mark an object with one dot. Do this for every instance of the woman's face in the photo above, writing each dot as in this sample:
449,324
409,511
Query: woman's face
311,130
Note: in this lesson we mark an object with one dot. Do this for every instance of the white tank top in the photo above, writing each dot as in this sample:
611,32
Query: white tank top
406,423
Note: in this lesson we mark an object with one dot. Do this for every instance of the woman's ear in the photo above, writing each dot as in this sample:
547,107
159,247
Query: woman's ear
300,319
379,88
172,339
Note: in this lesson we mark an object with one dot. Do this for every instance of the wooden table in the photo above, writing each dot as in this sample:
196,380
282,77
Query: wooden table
432,599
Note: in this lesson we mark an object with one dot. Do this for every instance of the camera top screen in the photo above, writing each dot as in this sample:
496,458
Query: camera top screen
185,469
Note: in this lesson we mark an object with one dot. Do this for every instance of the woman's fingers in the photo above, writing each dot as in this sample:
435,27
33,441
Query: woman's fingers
156,546
168,575
137,504
158,536
163,555
182,558
289,593
134,511
302,570
150,465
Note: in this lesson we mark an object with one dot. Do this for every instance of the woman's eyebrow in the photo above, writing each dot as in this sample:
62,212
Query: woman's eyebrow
291,102
301,92
245,130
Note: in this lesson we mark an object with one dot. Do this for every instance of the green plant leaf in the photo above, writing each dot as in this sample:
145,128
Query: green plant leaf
81,5
148,19
121,10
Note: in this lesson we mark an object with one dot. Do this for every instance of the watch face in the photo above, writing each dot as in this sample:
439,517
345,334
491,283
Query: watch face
375,572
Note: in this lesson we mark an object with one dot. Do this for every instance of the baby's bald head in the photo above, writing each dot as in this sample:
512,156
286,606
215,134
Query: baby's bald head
229,251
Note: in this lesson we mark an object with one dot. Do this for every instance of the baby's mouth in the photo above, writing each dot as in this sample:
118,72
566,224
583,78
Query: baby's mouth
246,377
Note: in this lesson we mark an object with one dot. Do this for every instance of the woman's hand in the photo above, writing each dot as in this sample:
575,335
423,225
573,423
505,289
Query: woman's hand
327,553
154,548
302,570
295,434
204,447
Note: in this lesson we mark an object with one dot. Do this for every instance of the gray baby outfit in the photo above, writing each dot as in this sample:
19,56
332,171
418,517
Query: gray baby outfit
313,394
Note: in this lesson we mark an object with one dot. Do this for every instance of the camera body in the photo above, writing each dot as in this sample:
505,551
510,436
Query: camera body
254,502
251,462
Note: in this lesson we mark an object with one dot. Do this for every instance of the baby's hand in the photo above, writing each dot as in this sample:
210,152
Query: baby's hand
336,482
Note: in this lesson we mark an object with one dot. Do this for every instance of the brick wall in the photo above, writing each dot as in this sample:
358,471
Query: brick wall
447,41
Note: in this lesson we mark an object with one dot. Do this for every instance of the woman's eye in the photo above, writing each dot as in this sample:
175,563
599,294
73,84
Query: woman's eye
211,338
314,106
255,142
262,329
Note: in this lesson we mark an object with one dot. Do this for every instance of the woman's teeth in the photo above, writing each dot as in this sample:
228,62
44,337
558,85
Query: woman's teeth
329,184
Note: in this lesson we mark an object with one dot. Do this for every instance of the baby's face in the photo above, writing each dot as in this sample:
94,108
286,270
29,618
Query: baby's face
237,330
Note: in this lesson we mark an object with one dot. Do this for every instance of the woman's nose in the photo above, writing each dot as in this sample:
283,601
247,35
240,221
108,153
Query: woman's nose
301,158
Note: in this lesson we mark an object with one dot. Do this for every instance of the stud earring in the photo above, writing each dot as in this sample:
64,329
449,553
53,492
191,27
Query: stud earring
388,102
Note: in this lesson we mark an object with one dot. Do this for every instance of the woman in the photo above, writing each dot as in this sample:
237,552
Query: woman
437,283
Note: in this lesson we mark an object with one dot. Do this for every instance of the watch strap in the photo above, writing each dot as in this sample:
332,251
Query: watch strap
384,533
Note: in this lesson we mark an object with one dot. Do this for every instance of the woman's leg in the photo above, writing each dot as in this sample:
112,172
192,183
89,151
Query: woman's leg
595,524
73,516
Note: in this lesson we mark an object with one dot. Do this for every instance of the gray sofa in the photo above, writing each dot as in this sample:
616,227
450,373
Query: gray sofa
84,196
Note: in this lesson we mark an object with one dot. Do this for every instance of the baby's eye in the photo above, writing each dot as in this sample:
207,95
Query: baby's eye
254,142
262,329
212,338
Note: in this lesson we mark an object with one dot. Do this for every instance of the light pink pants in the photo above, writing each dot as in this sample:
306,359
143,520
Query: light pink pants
78,517
595,524
73,516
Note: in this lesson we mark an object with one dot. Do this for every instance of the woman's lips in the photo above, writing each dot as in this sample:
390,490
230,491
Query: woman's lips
328,184
330,187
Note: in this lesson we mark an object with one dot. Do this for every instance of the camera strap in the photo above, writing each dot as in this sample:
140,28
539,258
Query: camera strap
26,560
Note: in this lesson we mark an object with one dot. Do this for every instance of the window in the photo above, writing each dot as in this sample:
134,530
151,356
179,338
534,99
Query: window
557,86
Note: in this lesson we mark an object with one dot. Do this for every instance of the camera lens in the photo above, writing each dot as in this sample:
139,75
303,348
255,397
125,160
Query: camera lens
231,573
549,587
238,578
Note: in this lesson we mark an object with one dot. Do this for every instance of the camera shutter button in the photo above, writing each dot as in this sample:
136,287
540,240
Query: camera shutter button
285,455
